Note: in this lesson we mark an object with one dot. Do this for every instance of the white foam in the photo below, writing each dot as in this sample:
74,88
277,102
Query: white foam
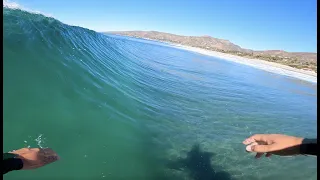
14,5
11,5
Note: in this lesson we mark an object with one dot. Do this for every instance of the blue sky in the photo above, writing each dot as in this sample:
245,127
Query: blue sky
256,24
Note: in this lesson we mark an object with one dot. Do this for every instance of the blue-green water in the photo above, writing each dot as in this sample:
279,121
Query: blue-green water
115,107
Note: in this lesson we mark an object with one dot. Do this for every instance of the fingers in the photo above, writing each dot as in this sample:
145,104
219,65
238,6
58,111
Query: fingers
268,154
47,151
49,156
259,143
248,141
249,147
34,149
262,148
258,155
254,138
49,159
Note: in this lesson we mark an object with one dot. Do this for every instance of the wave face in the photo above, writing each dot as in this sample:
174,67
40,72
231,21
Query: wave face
119,107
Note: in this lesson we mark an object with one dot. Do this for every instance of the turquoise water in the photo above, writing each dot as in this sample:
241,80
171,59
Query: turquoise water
116,107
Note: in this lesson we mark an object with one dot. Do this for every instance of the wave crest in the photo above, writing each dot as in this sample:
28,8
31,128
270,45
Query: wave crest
14,5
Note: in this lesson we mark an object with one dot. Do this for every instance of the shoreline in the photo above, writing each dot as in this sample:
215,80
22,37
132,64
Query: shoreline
306,75
272,67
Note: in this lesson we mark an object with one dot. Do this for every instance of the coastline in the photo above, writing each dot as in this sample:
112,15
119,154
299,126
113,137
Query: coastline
272,67
306,75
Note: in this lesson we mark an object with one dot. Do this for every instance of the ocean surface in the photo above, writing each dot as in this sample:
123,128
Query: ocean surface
115,107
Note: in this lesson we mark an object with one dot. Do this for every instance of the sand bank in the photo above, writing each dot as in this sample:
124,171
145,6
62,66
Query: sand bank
306,75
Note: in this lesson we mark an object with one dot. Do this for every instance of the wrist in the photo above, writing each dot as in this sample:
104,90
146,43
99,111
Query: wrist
11,162
308,146
299,141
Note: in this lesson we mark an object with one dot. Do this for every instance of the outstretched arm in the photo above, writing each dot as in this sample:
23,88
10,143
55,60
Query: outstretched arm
280,144
28,158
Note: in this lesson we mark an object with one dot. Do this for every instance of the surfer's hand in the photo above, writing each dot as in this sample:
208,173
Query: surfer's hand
277,144
33,158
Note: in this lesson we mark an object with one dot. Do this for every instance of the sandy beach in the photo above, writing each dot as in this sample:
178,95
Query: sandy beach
306,75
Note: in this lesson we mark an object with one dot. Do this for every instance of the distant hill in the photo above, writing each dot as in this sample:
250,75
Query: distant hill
301,60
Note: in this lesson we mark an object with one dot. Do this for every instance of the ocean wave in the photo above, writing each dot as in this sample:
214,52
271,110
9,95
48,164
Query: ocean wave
85,90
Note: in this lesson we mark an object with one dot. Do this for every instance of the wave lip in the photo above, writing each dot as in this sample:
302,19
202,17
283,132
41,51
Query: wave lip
11,5
14,5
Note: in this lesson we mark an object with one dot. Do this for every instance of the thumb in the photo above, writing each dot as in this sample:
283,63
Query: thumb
261,148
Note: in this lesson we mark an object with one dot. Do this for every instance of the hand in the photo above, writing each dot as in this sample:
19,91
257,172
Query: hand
33,158
277,144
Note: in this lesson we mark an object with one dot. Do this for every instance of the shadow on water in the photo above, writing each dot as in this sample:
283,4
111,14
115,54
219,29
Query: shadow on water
198,165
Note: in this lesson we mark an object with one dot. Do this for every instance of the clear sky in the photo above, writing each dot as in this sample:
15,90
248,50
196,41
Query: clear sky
289,25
